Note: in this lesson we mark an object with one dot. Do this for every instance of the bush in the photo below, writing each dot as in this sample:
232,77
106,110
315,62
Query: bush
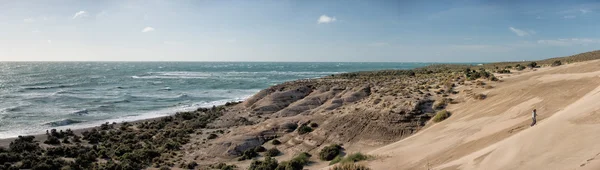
304,130
302,158
223,166
354,158
349,167
519,67
212,136
336,160
248,154
556,63
259,149
505,71
276,142
479,96
272,152
441,115
442,103
330,152
52,140
314,125
268,164
191,165
532,65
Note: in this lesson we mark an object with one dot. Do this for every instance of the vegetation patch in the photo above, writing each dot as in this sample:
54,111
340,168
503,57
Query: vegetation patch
248,154
441,103
479,96
349,167
304,130
223,166
336,160
273,152
276,142
441,115
259,149
556,63
355,157
268,164
330,152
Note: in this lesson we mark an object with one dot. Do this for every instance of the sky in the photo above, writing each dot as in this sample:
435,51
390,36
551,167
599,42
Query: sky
302,30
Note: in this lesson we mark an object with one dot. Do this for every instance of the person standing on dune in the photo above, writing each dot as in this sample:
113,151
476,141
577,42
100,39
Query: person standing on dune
533,116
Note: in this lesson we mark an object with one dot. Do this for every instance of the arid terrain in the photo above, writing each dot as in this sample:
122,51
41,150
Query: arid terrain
392,116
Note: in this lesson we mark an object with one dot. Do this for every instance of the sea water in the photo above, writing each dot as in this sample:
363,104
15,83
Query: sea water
36,96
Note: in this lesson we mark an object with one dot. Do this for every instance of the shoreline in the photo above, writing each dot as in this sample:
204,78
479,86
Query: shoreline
40,137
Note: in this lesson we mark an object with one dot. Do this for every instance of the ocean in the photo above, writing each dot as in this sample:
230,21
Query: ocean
37,96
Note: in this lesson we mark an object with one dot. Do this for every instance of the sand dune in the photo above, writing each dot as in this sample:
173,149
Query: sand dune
495,134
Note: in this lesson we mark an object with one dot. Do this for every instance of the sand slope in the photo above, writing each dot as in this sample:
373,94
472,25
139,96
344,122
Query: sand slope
494,133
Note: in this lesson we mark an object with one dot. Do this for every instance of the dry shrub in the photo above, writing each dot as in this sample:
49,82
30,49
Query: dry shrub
350,167
441,115
442,103
479,96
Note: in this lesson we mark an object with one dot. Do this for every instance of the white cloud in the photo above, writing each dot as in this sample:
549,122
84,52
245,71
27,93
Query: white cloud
520,32
80,14
148,29
324,19
49,41
29,20
569,16
584,11
569,42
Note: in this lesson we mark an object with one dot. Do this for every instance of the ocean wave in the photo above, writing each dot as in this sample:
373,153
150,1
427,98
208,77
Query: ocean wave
81,112
11,109
231,74
48,87
63,122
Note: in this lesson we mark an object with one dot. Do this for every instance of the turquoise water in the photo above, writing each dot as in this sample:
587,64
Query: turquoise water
36,96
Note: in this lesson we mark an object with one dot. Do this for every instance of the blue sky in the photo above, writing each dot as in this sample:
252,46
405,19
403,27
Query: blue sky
287,30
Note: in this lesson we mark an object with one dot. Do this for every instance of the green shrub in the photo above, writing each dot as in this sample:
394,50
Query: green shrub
259,149
336,159
248,154
314,125
268,164
275,142
519,67
330,152
354,158
532,65
441,115
272,152
350,167
304,129
302,158
556,63
504,71
52,140
441,103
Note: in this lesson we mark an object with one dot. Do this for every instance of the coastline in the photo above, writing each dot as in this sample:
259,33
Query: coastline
374,109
